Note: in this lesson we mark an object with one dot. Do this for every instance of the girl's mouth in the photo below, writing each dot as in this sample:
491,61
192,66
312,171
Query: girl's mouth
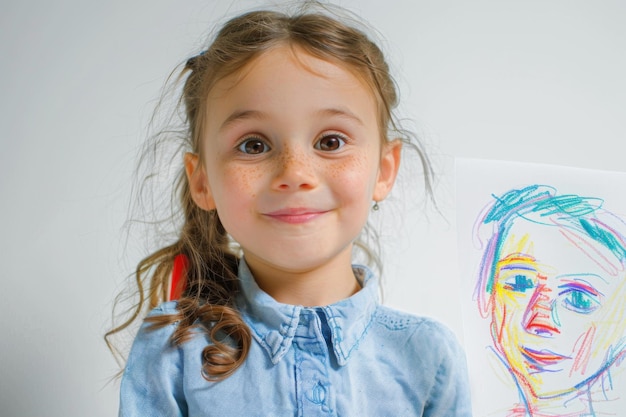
296,215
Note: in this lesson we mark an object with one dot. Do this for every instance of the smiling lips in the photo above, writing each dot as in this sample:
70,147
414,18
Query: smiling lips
542,357
295,215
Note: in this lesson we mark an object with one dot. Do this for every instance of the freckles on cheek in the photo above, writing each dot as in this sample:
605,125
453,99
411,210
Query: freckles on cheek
239,182
352,172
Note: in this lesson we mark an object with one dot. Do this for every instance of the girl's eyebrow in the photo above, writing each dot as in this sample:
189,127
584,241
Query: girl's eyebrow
242,115
339,111
258,115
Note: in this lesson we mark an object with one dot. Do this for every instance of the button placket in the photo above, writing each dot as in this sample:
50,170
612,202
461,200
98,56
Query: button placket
312,362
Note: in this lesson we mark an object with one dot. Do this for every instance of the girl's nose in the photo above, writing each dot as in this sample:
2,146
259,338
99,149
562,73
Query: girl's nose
294,171
539,315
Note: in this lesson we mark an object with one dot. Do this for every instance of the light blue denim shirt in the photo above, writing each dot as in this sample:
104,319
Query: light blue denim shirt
354,358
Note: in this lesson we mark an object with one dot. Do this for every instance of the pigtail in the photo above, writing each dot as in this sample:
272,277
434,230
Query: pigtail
211,287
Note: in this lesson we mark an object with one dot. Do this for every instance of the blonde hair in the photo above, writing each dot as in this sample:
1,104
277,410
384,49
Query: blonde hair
211,277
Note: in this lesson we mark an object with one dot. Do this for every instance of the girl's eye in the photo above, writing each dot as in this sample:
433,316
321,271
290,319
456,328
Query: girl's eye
330,143
253,146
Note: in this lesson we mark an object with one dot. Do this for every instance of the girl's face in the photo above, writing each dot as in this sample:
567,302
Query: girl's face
557,297
292,159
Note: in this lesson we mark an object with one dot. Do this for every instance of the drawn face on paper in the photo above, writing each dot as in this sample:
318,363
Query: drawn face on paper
556,296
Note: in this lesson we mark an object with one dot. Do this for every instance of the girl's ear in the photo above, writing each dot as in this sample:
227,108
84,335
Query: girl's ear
388,169
198,182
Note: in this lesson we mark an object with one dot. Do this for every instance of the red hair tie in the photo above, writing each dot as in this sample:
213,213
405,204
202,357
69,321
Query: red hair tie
178,283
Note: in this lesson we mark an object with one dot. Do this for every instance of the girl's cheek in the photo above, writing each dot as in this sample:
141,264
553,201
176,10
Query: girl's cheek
241,179
355,170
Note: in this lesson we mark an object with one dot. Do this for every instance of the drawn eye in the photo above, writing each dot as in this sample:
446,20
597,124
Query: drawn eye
330,142
253,146
519,283
580,301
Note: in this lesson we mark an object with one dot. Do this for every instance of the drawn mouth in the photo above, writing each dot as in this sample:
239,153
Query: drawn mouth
543,357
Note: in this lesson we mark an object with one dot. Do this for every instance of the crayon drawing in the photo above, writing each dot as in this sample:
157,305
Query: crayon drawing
548,283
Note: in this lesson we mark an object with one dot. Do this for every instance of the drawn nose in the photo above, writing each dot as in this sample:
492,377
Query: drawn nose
539,315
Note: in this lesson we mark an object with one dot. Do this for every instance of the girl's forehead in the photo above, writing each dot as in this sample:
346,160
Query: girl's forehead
283,58
286,82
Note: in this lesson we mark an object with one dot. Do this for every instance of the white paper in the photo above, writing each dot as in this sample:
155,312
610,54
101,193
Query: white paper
558,322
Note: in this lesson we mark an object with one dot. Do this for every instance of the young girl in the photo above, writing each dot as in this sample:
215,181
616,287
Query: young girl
287,152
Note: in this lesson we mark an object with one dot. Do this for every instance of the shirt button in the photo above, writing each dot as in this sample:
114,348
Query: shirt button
319,394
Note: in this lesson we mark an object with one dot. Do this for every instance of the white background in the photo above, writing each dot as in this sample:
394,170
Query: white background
535,81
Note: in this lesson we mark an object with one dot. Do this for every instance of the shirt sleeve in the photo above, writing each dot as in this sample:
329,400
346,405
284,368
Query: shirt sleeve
152,383
450,394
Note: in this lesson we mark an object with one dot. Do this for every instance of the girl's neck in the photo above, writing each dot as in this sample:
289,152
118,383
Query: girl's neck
317,286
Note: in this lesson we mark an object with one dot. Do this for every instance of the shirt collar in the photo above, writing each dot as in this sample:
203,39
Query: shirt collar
274,324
